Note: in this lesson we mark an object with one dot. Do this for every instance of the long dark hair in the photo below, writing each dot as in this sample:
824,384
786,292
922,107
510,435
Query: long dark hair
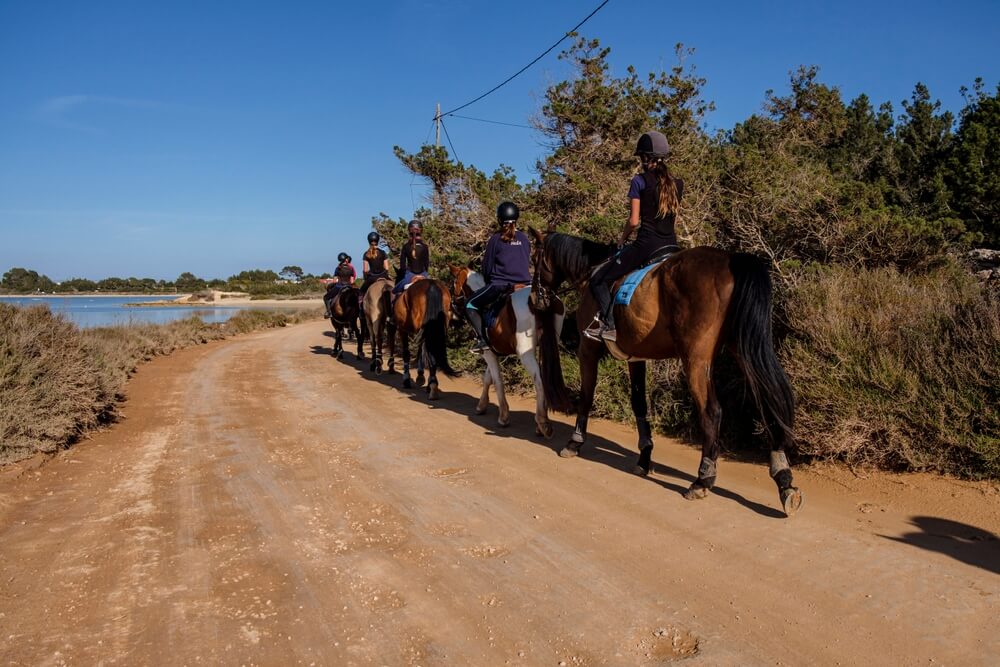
665,183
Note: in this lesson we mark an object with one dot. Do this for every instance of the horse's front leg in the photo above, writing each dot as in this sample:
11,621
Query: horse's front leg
637,383
543,426
493,366
390,336
589,354
484,398
361,334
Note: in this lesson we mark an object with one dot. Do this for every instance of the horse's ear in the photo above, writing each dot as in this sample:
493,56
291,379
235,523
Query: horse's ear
539,237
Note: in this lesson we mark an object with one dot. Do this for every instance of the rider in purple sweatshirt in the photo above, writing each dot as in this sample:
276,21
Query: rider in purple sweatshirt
506,263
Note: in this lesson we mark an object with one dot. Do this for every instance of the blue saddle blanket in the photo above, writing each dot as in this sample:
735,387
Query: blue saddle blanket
624,294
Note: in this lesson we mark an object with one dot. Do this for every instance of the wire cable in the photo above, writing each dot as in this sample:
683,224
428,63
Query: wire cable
520,71
495,122
448,137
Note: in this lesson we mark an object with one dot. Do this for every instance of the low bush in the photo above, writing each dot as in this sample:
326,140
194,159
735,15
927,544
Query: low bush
58,381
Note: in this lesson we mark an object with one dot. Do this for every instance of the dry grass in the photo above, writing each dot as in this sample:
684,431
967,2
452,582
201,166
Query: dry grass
896,370
58,381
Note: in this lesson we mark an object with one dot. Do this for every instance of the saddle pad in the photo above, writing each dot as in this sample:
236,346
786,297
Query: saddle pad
624,294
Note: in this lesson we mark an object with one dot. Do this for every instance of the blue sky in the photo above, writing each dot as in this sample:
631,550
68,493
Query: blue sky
148,139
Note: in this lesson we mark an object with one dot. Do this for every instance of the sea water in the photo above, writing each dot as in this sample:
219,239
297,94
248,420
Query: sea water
105,311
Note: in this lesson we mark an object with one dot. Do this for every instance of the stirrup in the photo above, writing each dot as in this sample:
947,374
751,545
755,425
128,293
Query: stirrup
609,334
479,347
595,329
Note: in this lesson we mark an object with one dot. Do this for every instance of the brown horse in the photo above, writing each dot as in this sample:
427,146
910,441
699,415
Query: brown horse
377,305
689,307
424,310
514,332
343,307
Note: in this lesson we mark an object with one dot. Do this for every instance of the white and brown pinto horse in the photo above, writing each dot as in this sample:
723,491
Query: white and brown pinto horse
514,332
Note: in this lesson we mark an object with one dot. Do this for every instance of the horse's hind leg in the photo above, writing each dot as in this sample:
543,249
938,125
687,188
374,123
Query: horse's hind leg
433,392
699,374
361,335
637,384
404,339
419,347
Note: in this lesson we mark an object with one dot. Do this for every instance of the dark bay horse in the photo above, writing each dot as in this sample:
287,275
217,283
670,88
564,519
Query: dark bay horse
377,305
689,307
423,310
344,311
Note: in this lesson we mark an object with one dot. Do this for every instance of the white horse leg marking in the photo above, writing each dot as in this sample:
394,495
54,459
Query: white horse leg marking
493,368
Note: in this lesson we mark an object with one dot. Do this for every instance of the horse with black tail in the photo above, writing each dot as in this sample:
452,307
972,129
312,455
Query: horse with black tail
424,310
342,303
687,307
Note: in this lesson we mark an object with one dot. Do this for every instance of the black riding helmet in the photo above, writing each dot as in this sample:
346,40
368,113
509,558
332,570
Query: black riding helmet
653,144
415,224
343,256
507,211
373,237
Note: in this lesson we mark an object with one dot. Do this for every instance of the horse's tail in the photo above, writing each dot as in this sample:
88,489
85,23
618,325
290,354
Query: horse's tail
435,329
556,394
749,325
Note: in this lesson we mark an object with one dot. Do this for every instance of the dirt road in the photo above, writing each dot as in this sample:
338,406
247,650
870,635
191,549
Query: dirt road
265,504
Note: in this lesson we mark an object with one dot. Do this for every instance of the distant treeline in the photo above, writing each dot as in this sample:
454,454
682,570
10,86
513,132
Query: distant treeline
290,280
865,210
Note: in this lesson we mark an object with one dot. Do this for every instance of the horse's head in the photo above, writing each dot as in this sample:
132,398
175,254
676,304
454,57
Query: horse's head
460,275
542,269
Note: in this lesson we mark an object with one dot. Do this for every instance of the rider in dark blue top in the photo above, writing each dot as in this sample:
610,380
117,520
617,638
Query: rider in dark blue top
506,263
653,199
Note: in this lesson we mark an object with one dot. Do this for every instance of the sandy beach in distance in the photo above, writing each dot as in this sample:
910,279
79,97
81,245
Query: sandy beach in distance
232,300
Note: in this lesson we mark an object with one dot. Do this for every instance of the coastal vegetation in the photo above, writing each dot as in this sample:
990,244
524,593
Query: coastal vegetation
865,211
291,281
58,381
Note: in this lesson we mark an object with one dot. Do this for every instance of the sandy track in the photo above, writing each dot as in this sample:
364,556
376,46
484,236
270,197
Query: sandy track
265,504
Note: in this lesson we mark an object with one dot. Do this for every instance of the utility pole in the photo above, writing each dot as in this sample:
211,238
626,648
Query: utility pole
437,126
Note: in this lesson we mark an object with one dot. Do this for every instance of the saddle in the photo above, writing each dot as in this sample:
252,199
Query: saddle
491,315
628,285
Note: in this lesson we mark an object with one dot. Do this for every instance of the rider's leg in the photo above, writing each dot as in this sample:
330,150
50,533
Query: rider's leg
476,307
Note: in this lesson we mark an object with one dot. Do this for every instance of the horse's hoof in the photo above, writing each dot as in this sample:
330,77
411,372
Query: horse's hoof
407,383
696,492
791,500
544,430
420,379
433,393
480,409
570,450
640,470
378,370
503,423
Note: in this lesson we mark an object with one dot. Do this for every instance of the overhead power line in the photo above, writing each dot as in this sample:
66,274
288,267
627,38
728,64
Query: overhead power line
495,122
520,71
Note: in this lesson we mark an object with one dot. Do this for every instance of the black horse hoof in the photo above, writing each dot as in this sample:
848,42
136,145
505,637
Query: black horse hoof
791,500
640,470
378,370
696,492
420,379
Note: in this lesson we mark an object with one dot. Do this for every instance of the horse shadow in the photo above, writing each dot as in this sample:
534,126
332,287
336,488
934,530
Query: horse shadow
971,545
522,427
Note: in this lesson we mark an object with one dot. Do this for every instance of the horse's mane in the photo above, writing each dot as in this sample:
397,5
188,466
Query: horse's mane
575,256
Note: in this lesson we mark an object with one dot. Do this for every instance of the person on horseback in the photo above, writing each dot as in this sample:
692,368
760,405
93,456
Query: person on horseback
344,273
343,259
506,263
415,257
374,264
654,196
